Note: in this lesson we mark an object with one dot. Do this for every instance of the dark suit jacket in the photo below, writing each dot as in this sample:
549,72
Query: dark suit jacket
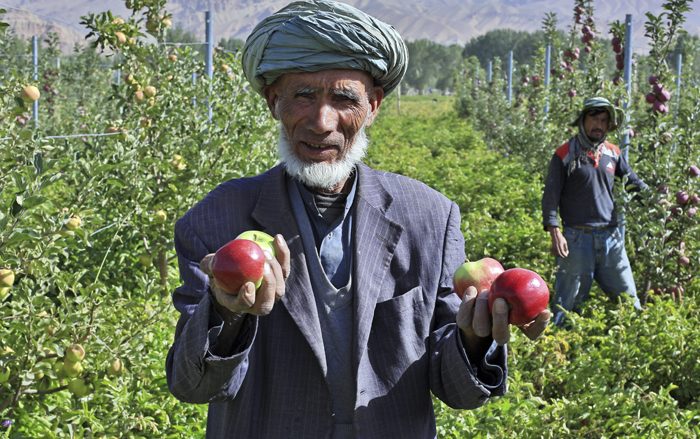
407,243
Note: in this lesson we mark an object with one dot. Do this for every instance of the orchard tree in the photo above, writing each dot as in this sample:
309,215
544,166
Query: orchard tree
87,261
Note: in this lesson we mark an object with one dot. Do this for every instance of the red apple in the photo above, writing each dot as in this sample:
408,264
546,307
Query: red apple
663,95
525,291
660,107
238,262
479,274
694,171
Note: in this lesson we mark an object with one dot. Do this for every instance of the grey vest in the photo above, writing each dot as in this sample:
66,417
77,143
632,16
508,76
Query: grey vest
335,313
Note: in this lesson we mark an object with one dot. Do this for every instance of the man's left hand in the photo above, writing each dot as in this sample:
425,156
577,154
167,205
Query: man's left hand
479,327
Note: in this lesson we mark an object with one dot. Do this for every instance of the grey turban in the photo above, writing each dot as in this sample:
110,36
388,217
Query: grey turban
313,35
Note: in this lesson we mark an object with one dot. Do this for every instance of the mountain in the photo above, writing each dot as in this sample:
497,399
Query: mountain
443,21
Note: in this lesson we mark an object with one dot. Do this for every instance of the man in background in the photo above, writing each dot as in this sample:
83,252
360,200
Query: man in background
579,187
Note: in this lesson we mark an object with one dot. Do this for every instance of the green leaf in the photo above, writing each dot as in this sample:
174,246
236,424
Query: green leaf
17,205
33,201
38,163
18,237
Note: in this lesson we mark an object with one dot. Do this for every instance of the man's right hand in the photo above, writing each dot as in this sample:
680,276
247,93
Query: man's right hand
559,245
247,299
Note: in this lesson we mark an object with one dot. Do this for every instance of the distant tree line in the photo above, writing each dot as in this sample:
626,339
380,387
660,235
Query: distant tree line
433,67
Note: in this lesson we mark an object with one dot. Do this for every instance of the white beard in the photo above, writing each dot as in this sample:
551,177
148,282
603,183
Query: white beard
322,175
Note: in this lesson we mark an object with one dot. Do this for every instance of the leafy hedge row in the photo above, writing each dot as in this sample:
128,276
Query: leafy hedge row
615,372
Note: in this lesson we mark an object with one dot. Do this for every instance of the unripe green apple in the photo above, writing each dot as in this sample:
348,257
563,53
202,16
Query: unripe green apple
150,91
7,277
74,222
265,241
160,216
30,93
79,387
4,374
72,369
115,367
145,260
44,383
58,369
121,38
75,353
479,274
4,293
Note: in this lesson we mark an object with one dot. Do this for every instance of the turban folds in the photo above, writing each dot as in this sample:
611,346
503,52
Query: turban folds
314,35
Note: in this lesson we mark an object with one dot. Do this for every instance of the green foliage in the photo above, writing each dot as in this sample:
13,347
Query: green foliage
498,198
86,225
616,373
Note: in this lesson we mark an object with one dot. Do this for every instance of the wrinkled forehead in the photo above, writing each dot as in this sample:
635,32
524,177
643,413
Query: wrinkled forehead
339,79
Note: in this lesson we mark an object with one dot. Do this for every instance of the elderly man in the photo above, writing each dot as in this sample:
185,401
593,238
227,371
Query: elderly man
580,186
355,323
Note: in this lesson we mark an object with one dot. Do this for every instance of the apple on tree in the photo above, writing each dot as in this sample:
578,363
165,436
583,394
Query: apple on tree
479,274
525,292
79,387
30,93
7,277
237,262
75,353
72,369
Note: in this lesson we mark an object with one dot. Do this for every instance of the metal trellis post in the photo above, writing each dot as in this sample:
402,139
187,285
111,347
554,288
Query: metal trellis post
628,83
209,57
547,68
679,75
35,76
509,93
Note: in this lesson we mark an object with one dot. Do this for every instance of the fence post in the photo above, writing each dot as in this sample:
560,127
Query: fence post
194,82
509,93
209,61
628,83
547,68
35,76
679,74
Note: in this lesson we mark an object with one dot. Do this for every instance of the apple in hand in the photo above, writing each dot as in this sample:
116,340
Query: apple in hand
479,274
237,262
265,241
524,290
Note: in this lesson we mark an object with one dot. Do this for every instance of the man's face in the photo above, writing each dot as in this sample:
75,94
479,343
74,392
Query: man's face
323,115
596,125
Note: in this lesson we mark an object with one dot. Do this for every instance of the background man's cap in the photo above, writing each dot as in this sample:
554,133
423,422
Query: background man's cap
597,102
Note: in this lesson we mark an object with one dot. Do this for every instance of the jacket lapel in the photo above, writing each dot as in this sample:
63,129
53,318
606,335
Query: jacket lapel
375,237
273,212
